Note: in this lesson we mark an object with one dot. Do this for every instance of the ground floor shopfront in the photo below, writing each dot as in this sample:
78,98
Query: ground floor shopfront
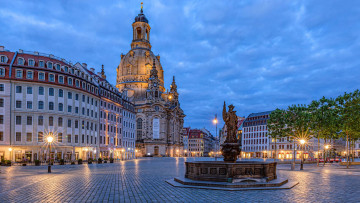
31,153
159,149
117,153
279,154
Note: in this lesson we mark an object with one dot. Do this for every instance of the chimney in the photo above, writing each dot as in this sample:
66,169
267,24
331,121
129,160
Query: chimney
36,53
92,70
84,64
21,51
2,48
51,56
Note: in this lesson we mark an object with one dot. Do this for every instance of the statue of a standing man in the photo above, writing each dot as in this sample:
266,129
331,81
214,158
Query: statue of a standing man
231,148
231,121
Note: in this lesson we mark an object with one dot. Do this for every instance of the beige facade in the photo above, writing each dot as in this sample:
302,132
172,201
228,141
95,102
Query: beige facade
159,118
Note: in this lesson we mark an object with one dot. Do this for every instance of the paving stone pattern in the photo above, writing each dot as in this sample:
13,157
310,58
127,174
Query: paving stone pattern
143,180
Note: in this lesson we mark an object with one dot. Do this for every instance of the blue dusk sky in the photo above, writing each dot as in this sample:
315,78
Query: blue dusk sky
256,55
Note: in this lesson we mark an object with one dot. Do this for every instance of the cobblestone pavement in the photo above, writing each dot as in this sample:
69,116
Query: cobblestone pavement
143,180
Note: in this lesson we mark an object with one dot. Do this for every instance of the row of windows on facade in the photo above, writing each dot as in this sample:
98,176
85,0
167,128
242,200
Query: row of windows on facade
51,92
261,141
51,78
110,117
281,146
110,106
256,128
59,138
29,105
114,118
255,148
41,76
255,135
117,142
50,65
29,121
110,128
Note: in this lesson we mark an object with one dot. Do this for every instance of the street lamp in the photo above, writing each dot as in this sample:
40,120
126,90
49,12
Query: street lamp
215,121
136,151
325,151
122,155
302,142
10,149
49,140
185,151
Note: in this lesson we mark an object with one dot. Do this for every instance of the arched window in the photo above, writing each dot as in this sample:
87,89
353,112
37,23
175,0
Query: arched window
139,123
147,35
60,122
138,33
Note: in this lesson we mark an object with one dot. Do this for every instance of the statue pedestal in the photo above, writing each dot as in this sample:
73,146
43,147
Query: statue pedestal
241,175
230,151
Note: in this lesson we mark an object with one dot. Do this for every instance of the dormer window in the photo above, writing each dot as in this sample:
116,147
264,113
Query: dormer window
41,64
66,69
70,81
31,62
3,59
58,66
19,73
72,71
20,61
29,75
41,76
49,65
61,79
2,72
51,78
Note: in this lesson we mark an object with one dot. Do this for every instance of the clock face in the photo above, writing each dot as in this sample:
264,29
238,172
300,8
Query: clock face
155,85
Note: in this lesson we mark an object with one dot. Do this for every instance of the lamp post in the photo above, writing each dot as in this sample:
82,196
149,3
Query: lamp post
135,153
49,139
122,154
215,121
10,149
325,151
185,151
302,143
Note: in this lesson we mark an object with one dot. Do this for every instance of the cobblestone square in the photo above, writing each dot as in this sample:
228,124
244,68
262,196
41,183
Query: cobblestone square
143,180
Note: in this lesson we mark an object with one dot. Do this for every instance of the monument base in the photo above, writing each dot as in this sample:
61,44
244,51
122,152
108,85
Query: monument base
271,185
240,175
241,171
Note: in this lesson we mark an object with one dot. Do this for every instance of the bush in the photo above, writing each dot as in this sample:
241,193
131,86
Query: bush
90,160
62,162
37,162
72,162
111,160
8,162
99,160
80,161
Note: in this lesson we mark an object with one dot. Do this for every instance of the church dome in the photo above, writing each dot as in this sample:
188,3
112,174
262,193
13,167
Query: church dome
135,68
141,18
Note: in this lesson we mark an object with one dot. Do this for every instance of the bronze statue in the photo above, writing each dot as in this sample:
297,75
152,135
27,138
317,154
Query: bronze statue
231,121
231,148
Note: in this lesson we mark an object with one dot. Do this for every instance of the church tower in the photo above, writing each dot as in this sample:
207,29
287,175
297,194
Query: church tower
141,31
134,69
159,117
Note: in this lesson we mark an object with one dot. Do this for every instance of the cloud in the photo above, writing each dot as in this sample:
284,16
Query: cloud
257,55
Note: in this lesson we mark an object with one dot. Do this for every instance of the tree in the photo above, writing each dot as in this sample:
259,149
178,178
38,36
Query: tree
276,125
324,122
348,106
298,124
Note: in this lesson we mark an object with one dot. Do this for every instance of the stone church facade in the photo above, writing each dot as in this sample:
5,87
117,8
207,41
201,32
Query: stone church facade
159,118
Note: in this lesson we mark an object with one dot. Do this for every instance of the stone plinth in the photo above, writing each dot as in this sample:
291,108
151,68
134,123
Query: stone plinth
241,171
230,151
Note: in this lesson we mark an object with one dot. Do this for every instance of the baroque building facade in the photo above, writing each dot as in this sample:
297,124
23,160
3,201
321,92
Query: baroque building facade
159,118
43,95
